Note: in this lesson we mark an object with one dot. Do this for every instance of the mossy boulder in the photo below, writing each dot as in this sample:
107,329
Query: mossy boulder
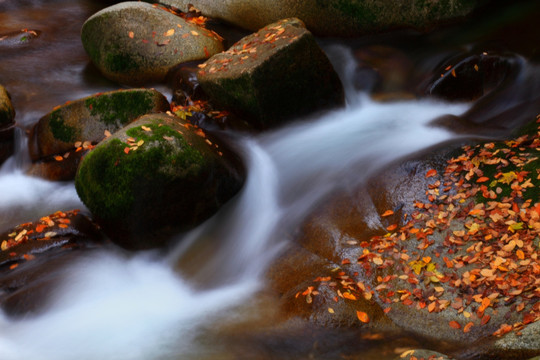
135,43
7,113
7,130
82,123
157,175
273,75
334,17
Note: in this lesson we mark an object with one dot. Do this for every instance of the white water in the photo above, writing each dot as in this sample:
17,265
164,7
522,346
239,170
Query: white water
114,307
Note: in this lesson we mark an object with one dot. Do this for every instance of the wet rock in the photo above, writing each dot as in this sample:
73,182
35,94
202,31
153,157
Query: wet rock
157,175
273,75
472,77
419,354
31,252
135,43
59,138
7,113
16,39
7,130
186,87
334,17
434,249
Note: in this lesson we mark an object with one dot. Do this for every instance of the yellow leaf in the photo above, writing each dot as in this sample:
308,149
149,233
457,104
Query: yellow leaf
169,32
508,177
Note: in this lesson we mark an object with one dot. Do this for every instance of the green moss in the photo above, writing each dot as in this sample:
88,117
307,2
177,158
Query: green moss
59,129
361,14
111,182
121,107
181,154
120,62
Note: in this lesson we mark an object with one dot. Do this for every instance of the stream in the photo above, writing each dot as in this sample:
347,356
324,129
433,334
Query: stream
113,305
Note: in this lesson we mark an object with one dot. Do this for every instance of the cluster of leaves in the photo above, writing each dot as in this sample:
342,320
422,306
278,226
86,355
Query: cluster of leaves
473,247
248,48
45,229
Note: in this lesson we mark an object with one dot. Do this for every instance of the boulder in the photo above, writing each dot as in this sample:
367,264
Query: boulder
157,175
57,139
134,43
275,74
7,129
467,78
334,17
7,113
30,253
446,245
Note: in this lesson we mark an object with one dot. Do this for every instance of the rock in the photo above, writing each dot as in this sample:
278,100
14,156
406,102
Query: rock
472,77
135,43
32,251
273,75
334,17
16,39
422,354
157,175
434,248
80,124
7,128
7,113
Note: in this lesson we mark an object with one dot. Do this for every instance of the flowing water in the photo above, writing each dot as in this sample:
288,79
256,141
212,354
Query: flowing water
110,305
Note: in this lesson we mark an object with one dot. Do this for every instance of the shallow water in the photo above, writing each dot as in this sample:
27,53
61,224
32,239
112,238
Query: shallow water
110,305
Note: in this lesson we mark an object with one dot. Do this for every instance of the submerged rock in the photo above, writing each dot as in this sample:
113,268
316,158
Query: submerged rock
273,75
7,130
334,17
30,252
15,39
135,43
58,138
157,175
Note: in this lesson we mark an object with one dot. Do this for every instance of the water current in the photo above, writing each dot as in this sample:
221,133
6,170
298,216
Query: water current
110,305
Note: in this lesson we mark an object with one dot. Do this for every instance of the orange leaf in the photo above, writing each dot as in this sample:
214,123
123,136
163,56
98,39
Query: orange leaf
40,228
392,227
131,34
520,254
126,150
58,158
482,179
387,213
468,327
431,173
454,324
362,316
348,295
485,319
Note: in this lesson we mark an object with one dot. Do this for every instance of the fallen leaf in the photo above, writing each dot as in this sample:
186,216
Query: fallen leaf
431,173
454,324
362,316
387,213
169,32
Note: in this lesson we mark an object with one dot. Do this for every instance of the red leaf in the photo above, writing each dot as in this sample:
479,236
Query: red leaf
454,324
431,173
